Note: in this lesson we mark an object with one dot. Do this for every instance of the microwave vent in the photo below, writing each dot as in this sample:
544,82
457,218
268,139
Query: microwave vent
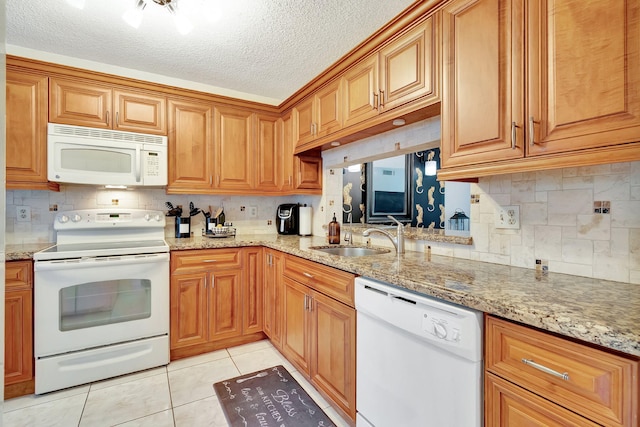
105,134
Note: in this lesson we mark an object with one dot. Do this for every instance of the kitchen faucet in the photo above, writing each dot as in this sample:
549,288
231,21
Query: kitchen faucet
348,235
398,242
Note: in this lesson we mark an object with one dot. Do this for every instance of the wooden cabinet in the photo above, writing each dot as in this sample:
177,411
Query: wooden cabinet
273,296
509,405
308,173
87,103
252,291
320,328
190,147
18,329
403,70
584,79
565,376
319,115
483,72
234,149
288,146
532,86
215,299
26,142
270,153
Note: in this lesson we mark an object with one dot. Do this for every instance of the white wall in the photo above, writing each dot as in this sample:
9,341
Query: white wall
558,223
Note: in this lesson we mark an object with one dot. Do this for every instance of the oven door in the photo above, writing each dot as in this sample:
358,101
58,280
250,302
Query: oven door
90,302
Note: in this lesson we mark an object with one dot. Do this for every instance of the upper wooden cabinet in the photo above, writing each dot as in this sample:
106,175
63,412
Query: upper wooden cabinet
308,173
482,97
83,103
288,146
190,147
26,143
234,156
270,154
319,115
583,63
401,71
538,88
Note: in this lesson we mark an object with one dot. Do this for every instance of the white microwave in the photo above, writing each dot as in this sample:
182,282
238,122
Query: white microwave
82,155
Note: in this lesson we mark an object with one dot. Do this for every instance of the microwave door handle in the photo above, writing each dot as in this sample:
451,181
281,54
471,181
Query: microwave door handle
138,163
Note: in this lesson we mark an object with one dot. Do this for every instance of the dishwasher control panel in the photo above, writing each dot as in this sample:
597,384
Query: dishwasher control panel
441,327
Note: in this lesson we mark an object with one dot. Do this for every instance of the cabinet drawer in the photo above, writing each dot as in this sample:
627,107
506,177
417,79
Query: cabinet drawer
335,283
205,259
509,405
18,275
599,385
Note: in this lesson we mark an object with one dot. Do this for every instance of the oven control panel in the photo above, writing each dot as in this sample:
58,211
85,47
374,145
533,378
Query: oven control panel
97,218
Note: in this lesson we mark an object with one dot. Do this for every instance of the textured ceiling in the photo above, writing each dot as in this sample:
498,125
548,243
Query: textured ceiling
267,48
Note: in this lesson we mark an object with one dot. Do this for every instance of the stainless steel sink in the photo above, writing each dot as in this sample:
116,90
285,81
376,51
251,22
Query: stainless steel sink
350,250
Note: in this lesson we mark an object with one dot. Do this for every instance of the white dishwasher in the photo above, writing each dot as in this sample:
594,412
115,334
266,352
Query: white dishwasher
419,360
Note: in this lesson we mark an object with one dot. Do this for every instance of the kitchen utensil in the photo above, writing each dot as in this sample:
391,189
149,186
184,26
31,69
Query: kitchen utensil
218,212
193,211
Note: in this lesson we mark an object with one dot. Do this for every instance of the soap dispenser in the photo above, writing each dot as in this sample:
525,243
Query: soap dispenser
334,230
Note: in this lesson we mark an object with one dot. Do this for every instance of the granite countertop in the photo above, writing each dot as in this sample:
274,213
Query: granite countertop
597,311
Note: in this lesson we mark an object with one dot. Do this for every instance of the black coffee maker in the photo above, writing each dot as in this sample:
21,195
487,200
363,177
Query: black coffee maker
287,218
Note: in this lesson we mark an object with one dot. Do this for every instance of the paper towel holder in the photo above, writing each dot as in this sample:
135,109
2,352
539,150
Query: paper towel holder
305,216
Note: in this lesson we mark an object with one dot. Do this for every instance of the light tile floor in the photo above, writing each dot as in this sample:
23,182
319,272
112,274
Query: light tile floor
179,394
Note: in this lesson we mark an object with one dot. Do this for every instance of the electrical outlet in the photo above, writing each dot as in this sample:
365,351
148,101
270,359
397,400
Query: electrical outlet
253,211
508,217
23,213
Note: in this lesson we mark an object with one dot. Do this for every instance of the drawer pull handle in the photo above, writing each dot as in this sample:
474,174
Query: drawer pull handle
564,376
209,260
310,276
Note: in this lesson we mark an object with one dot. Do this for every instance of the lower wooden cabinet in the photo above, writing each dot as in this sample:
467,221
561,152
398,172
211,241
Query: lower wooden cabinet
18,329
273,296
536,378
319,334
216,299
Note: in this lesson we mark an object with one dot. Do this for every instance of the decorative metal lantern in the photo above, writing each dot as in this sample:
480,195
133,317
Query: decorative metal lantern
459,221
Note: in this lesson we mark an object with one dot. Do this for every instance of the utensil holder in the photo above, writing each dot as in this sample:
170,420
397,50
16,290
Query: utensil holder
210,224
183,227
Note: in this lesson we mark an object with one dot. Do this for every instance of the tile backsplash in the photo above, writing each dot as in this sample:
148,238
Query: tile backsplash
43,206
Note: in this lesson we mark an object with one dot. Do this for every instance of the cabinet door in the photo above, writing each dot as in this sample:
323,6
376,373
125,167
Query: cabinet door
270,156
304,121
296,342
26,143
328,111
78,103
333,347
508,405
273,296
482,81
225,304
287,158
308,173
140,112
360,88
18,322
583,74
190,147
252,296
409,66
235,152
188,310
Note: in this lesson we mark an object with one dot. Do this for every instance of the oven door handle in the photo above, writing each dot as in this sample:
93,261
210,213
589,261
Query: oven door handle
96,262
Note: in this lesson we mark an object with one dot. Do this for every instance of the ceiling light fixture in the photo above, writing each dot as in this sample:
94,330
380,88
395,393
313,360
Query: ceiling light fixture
133,16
